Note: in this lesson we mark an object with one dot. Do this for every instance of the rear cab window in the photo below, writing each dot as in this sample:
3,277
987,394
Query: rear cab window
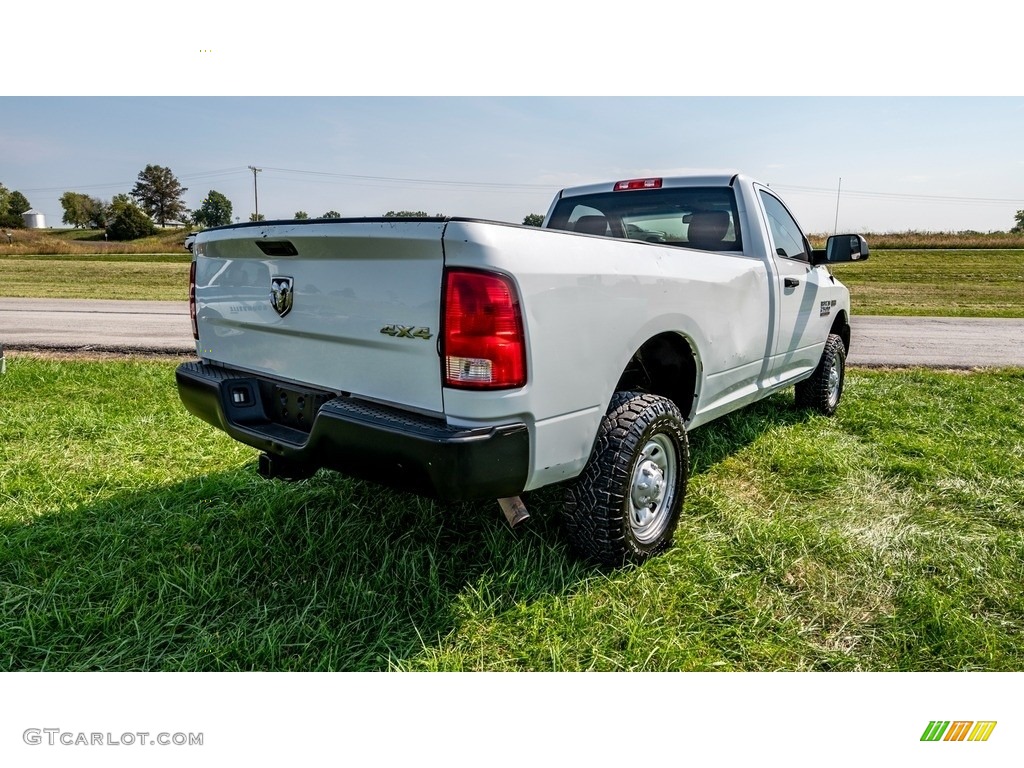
704,218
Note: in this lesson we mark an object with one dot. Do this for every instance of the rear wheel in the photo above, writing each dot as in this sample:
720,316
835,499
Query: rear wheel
823,390
625,505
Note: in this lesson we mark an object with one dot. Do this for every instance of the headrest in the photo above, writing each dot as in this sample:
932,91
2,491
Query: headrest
707,228
591,225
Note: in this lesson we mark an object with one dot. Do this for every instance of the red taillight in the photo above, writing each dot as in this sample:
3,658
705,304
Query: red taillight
483,342
623,186
192,299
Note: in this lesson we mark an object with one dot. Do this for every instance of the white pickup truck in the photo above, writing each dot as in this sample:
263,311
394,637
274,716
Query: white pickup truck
474,359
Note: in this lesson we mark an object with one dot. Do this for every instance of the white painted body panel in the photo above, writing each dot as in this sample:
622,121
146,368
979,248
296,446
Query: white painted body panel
351,279
588,304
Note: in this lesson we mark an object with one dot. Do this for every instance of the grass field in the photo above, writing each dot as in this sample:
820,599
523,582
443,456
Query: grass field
79,264
98,276
170,239
943,241
953,282
133,537
940,283
84,242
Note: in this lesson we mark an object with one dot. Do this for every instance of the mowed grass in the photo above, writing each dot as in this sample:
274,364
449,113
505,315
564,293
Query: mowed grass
80,264
97,276
84,242
938,283
134,537
931,282
947,241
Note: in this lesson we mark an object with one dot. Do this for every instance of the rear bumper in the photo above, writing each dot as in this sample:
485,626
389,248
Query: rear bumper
366,440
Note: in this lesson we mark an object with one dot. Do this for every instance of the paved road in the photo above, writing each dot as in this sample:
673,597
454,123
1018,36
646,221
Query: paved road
159,326
163,326
937,342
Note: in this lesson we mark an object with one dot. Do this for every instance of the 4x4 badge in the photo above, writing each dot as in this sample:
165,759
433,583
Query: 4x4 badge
406,332
281,294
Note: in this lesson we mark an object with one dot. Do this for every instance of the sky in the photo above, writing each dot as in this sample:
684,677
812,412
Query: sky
853,163
875,118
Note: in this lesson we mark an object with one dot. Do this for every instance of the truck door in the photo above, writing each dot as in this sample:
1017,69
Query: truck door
800,327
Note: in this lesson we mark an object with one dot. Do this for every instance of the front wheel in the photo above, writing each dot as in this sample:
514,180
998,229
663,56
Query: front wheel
625,505
822,391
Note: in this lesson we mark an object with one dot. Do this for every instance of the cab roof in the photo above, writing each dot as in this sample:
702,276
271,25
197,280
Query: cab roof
696,178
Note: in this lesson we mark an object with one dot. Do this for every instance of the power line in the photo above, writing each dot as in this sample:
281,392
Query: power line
122,184
839,190
407,181
363,179
903,196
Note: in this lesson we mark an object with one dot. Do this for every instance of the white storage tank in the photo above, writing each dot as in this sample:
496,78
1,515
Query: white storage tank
34,219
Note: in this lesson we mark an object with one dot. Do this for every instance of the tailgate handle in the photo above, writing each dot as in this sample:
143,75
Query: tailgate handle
277,247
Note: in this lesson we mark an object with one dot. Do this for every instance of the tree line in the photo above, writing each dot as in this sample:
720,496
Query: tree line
12,206
156,199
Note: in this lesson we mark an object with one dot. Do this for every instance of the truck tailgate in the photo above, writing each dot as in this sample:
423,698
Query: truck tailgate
347,306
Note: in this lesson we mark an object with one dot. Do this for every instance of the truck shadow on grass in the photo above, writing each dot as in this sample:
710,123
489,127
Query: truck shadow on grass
233,572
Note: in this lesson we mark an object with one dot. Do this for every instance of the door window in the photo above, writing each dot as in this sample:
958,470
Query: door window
790,242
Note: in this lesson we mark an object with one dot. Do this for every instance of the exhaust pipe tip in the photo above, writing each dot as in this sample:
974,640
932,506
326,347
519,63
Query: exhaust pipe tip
514,510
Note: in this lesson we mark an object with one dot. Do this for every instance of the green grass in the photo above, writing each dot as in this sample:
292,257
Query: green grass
944,283
79,264
937,283
97,276
134,537
945,241
78,242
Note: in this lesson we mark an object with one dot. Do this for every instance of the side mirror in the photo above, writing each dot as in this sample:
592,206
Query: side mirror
841,248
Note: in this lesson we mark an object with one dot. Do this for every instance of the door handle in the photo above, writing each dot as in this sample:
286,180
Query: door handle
791,282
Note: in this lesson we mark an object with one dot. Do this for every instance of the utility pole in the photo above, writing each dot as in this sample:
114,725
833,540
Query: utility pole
255,191
839,190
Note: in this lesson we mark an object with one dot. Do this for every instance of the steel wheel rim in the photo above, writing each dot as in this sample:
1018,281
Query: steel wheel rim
652,489
834,382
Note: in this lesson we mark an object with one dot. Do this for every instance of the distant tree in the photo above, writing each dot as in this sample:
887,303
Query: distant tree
97,213
76,209
80,210
331,215
5,200
159,193
257,217
1019,218
301,215
533,220
411,215
127,221
18,203
214,211
12,206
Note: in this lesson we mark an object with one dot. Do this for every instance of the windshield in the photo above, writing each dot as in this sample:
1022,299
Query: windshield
689,217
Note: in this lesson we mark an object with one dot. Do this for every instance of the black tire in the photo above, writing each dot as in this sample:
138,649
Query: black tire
823,390
625,506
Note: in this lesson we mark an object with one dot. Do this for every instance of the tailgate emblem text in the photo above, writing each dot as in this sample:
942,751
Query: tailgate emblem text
406,332
281,294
